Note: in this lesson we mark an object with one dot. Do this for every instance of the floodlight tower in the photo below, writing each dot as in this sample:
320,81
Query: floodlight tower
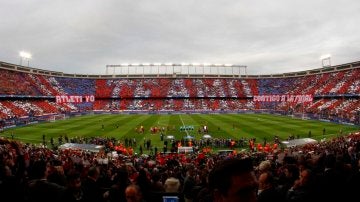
326,60
25,56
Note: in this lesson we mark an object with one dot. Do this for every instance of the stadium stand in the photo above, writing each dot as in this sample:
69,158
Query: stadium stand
33,92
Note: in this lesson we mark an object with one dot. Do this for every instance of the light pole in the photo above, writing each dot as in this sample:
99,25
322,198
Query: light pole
25,55
326,60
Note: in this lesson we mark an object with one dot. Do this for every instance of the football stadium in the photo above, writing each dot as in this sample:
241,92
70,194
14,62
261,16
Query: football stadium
179,101
40,106
157,120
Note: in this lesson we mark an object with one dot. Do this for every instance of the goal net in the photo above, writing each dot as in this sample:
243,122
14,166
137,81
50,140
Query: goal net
56,117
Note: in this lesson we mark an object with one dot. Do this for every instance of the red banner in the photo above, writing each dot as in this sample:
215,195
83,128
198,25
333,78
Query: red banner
283,98
74,98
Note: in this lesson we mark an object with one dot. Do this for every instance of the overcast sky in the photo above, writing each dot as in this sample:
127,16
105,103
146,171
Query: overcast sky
83,36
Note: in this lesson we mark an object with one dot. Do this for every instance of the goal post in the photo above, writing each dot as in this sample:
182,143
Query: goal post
55,117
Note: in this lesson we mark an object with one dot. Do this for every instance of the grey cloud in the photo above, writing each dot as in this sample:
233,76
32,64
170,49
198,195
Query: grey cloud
268,36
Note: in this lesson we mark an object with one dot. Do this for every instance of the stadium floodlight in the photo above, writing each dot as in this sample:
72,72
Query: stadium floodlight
206,64
325,60
184,64
195,64
218,65
134,64
169,64
146,64
228,65
157,64
326,56
26,56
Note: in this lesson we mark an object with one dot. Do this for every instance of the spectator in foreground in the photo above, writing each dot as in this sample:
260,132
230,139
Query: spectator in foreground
73,191
189,184
117,191
233,180
172,185
267,189
40,189
92,190
304,188
133,194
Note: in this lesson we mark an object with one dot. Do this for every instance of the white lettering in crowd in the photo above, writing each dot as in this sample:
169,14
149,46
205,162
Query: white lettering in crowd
89,98
283,98
74,98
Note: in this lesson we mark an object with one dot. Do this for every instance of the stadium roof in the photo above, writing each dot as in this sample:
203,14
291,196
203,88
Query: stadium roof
177,71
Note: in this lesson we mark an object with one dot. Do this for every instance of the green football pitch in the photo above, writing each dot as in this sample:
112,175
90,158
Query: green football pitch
229,126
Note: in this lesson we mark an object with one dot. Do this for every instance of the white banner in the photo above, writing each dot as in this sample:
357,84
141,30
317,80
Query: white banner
283,98
74,98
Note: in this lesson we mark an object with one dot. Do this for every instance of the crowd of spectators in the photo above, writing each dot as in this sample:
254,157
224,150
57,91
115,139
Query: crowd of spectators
334,83
336,94
15,83
323,171
343,110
